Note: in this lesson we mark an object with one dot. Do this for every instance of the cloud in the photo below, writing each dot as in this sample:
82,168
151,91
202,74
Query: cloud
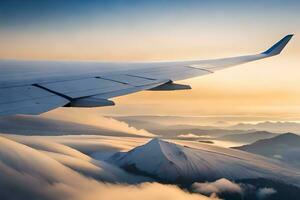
18,150
32,187
189,135
91,117
262,193
277,156
28,173
145,191
43,144
219,186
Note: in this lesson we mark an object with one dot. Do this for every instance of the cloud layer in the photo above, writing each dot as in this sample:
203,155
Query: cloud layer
54,173
91,117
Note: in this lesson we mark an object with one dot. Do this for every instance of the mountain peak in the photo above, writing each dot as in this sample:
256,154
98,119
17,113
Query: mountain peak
287,137
175,163
154,141
162,145
289,134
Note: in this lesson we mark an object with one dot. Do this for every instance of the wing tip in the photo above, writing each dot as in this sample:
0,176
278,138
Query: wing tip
279,46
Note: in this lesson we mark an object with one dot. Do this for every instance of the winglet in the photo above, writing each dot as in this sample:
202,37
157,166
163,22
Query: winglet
277,48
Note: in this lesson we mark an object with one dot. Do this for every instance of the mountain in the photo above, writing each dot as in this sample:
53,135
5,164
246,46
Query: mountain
285,147
277,127
174,163
248,137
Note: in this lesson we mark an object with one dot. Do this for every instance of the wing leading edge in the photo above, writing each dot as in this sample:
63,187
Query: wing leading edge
218,64
35,96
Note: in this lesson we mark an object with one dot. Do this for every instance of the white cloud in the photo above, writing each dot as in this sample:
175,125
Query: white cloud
92,118
219,186
277,156
38,174
262,193
145,191
189,135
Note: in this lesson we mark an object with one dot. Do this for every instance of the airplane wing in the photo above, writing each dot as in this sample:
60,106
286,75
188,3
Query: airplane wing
34,87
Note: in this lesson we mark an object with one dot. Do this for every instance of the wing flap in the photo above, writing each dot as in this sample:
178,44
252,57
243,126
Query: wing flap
130,90
28,100
84,87
103,87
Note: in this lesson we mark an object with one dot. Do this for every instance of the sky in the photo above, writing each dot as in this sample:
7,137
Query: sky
119,30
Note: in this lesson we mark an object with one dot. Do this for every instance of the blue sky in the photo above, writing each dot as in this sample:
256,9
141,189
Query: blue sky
73,12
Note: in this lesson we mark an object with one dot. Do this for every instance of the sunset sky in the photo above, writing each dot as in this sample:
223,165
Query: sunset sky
133,30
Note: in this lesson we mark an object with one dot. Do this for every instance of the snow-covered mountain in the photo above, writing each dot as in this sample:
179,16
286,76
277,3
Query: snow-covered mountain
180,164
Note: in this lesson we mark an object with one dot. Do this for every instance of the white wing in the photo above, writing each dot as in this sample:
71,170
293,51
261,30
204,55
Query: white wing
34,87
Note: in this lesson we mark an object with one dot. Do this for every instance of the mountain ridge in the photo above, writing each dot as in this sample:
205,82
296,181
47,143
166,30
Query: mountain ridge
175,163
284,147
248,137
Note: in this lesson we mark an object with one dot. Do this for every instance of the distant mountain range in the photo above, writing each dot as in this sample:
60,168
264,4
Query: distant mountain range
174,163
285,147
248,137
176,131
277,127
172,126
164,120
161,125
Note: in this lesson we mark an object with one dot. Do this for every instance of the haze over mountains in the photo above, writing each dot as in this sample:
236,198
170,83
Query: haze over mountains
173,126
36,125
276,127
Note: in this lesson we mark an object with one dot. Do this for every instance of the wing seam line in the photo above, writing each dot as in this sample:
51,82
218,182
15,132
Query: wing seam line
54,92
206,70
103,78
141,77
